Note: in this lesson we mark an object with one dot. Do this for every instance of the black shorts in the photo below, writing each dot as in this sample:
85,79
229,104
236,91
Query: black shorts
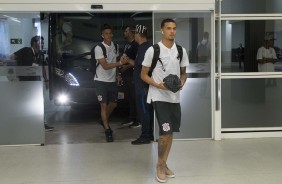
168,116
106,91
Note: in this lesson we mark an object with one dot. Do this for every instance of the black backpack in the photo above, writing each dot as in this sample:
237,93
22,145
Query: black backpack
156,58
94,62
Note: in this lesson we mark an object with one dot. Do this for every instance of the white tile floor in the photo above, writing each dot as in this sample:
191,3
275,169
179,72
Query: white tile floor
241,161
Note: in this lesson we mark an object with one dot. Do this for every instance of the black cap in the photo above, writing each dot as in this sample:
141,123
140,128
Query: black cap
141,29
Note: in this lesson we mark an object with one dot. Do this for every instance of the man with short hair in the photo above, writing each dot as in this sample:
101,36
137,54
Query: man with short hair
166,103
105,78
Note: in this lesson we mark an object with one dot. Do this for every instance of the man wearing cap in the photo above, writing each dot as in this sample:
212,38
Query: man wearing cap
165,102
144,110
266,57
130,50
32,56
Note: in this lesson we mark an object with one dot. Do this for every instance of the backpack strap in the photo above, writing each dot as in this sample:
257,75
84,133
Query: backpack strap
95,61
180,53
116,47
156,58
103,49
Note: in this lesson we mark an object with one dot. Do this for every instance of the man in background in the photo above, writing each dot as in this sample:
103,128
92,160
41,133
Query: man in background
144,110
130,50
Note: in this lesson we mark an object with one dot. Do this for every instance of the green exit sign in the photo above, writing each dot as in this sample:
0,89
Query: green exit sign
16,41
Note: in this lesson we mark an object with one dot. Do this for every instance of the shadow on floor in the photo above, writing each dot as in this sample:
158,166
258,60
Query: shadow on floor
74,126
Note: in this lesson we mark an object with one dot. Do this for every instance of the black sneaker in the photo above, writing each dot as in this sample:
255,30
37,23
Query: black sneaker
109,135
141,140
135,125
48,128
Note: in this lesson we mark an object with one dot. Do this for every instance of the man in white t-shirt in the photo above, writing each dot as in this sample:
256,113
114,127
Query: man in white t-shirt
105,78
166,103
266,57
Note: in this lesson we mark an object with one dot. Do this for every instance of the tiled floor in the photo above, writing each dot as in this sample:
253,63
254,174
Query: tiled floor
240,161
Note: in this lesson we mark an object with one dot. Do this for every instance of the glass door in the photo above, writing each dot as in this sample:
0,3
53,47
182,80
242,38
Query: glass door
194,33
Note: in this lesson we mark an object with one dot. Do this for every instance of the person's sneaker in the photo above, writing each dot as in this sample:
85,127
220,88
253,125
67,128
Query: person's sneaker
135,125
169,173
109,135
141,140
48,128
160,176
127,123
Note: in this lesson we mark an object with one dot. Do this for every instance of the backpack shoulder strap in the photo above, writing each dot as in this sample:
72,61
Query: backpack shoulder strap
116,47
180,52
103,49
155,59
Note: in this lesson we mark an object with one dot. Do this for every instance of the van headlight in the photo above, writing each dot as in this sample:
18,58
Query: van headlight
63,98
71,80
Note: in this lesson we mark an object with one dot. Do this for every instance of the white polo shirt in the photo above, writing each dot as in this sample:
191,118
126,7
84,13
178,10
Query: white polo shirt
171,65
266,53
102,74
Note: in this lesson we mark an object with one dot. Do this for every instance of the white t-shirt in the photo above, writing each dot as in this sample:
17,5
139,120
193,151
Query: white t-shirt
266,53
171,65
67,27
112,54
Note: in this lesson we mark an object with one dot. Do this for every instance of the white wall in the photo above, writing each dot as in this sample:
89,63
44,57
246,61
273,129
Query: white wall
238,33
226,42
183,34
44,33
274,6
23,30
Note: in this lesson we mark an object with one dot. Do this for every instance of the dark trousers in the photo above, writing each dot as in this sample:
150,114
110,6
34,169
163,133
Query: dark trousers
130,93
145,114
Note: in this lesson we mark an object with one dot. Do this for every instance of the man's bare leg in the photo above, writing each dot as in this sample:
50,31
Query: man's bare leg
168,172
110,108
104,115
164,145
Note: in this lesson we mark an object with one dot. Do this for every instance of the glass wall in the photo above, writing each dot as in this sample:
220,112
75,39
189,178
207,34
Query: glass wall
250,103
246,42
250,71
22,106
251,6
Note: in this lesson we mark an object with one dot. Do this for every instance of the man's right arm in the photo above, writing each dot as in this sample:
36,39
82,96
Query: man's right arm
146,64
108,66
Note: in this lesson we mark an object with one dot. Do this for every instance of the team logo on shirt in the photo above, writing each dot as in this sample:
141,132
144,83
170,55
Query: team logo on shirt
166,127
100,98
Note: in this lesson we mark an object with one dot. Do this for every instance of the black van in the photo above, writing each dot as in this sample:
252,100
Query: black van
70,67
